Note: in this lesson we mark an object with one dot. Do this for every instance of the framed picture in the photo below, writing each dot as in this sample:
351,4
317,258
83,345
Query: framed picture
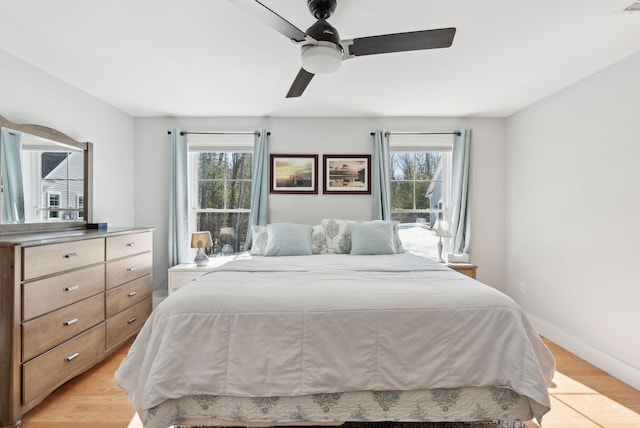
347,174
294,173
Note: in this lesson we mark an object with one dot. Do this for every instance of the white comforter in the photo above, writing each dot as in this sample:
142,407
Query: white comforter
282,326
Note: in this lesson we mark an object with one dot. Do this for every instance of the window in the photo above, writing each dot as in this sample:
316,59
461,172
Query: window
61,183
53,201
80,205
220,192
420,189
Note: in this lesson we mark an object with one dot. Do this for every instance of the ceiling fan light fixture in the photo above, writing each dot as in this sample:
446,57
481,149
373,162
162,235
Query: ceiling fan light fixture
321,58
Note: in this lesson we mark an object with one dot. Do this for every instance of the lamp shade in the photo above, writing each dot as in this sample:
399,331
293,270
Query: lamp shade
227,231
201,240
442,228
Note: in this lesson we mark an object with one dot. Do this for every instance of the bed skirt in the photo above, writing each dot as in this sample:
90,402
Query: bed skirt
455,404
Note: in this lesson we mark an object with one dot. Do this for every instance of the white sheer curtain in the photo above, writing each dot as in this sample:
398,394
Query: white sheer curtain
178,200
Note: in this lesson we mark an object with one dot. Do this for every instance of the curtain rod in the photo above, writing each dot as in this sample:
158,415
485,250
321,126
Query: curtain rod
457,133
221,133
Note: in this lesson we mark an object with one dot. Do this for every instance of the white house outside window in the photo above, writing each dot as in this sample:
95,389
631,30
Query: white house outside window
420,188
220,188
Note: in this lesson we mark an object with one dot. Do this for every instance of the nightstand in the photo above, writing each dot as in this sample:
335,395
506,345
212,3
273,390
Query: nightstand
185,273
468,269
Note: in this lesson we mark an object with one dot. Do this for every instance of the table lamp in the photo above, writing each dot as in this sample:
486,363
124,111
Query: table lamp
201,240
227,249
442,231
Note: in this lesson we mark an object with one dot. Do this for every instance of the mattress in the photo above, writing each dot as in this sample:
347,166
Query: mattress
304,326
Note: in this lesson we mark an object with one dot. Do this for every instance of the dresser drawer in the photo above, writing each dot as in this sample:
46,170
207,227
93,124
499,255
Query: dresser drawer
127,322
50,330
128,269
53,258
124,296
128,245
41,375
49,294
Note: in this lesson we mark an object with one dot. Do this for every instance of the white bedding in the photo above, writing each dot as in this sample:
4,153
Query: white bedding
288,326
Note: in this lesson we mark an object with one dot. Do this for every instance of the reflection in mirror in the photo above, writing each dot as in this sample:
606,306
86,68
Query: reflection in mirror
43,177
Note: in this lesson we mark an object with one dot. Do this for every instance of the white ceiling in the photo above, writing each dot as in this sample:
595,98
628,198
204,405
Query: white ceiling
211,58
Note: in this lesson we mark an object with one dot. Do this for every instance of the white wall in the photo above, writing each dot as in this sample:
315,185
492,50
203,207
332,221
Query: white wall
573,232
30,96
328,136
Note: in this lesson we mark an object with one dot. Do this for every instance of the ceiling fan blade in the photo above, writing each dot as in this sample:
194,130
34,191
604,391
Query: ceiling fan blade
300,83
272,19
401,42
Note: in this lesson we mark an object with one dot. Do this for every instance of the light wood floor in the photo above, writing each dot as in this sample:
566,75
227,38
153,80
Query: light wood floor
581,396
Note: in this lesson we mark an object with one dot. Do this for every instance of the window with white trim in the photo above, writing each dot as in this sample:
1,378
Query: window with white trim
420,188
219,171
80,205
53,201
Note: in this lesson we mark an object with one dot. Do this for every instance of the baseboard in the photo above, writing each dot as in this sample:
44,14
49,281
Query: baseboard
613,366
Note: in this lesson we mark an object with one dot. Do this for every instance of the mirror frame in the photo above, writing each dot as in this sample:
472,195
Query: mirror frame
57,136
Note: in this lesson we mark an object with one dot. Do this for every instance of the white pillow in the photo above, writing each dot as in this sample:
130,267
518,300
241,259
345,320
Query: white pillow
339,239
288,239
337,234
318,240
372,238
258,240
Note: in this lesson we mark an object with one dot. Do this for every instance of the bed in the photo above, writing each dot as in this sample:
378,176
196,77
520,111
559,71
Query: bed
328,338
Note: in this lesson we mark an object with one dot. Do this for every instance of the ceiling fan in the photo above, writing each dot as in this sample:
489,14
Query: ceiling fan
322,48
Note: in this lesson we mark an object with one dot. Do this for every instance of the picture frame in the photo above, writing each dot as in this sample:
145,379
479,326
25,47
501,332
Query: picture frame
294,173
346,174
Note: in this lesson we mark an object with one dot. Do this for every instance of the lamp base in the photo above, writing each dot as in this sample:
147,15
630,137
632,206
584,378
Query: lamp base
227,250
201,258
440,259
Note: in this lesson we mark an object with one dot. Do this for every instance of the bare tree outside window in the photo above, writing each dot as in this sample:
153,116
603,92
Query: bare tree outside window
223,196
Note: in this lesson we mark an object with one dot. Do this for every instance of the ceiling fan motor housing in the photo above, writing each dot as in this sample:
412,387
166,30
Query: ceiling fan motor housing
322,31
321,9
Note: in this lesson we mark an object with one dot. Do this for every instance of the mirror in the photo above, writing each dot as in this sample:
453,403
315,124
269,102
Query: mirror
45,179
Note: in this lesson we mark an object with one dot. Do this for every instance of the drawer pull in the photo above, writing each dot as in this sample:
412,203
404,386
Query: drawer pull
131,269
131,320
133,293
70,255
130,244
71,321
71,287
72,356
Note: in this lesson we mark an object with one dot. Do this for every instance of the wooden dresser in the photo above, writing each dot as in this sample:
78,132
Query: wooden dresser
67,300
